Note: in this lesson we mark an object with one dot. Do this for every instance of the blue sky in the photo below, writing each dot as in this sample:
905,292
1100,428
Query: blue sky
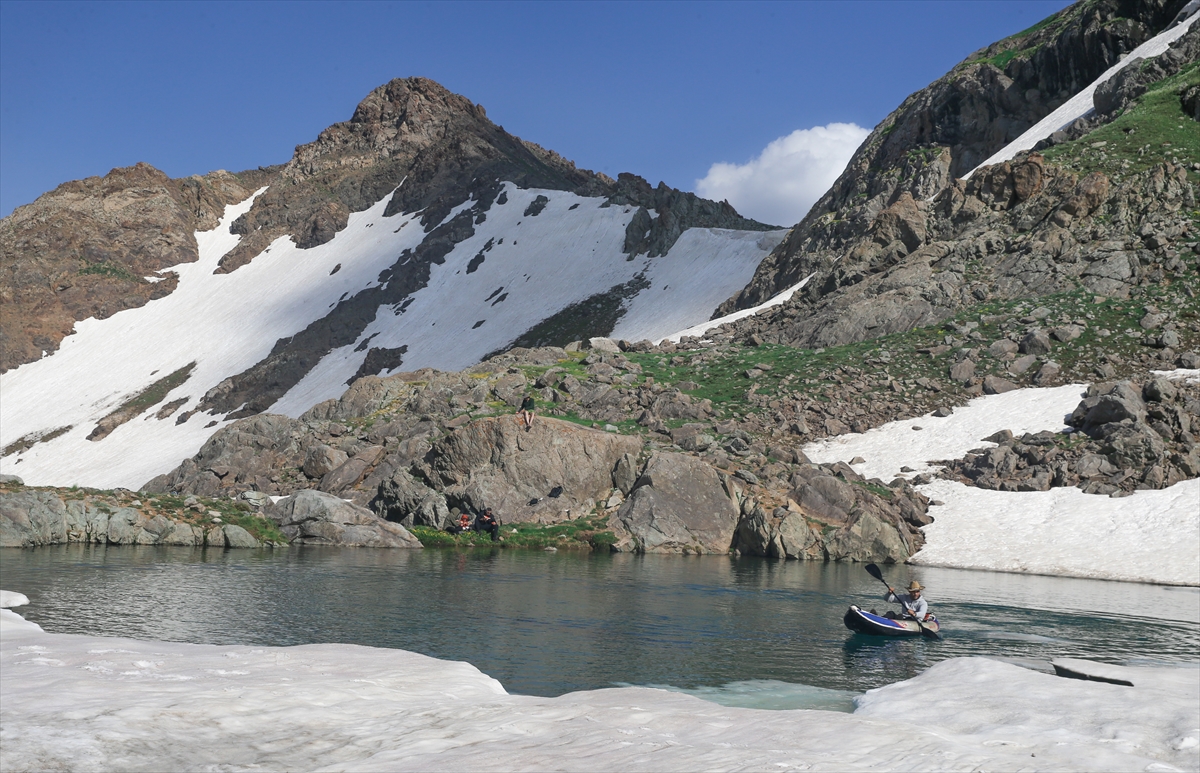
664,90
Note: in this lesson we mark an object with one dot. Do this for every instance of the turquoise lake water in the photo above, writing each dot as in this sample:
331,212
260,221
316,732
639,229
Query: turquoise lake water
741,631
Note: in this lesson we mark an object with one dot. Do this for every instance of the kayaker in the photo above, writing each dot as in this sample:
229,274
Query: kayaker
914,606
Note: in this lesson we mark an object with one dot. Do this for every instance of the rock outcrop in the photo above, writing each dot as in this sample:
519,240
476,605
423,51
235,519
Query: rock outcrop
678,505
32,517
833,513
553,472
1134,437
316,518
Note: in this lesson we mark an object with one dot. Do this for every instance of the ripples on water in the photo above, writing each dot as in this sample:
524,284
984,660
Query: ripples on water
745,632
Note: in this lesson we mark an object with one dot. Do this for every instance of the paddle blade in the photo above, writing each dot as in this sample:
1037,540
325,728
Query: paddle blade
874,572
929,633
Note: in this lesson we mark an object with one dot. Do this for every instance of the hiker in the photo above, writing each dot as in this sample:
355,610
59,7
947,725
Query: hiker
914,606
526,414
462,527
486,521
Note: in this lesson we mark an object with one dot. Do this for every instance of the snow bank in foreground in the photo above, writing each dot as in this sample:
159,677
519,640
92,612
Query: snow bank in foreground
1151,536
88,703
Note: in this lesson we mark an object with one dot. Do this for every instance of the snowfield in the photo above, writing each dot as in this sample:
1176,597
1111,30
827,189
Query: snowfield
87,703
1151,536
225,323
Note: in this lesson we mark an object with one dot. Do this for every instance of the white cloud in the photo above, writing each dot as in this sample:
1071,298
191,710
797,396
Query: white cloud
787,178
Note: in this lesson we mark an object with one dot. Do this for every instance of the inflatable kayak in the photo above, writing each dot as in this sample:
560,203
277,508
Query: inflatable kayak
862,621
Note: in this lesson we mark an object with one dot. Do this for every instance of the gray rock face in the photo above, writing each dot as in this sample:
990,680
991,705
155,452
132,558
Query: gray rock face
679,505
409,502
1106,404
34,517
244,454
828,517
311,517
850,241
29,518
496,463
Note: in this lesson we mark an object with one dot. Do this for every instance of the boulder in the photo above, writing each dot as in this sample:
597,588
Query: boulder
494,462
255,498
1021,364
1002,347
625,473
310,517
13,479
1159,390
679,505
1047,373
795,537
994,385
1035,342
602,345
962,371
237,537
1134,445
322,459
1111,403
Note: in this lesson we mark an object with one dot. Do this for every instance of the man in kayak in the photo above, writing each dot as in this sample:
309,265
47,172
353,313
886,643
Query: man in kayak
914,606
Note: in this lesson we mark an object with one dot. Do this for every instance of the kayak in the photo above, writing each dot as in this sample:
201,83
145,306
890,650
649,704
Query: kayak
862,621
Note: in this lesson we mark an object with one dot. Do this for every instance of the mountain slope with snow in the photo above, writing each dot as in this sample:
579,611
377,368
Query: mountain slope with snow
416,234
532,266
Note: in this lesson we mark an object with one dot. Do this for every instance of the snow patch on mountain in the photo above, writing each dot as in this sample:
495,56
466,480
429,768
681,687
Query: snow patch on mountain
1150,536
775,300
515,271
1083,103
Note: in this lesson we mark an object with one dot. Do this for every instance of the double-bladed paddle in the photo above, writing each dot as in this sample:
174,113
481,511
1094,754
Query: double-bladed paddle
928,633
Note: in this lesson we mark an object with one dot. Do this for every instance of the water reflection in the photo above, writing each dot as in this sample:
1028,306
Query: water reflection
546,623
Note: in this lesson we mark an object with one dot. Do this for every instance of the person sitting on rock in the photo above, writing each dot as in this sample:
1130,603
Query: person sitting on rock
526,414
915,607
486,521
463,525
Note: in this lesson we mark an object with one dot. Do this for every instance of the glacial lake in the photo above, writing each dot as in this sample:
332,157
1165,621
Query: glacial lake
741,631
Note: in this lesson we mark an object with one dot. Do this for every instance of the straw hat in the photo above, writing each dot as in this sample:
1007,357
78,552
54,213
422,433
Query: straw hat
914,585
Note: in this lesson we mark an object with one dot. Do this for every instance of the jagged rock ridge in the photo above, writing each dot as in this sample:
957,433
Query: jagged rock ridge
944,130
